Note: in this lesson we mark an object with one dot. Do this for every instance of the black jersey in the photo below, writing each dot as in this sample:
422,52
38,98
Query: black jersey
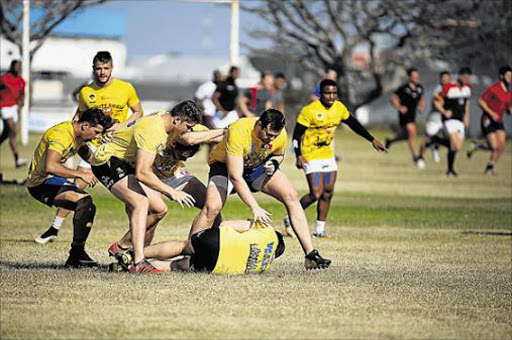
228,94
409,97
455,99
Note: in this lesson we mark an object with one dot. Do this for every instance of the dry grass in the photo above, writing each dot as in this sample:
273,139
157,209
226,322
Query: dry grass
415,255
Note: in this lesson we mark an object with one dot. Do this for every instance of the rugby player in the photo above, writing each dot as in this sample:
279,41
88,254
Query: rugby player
494,102
114,97
125,167
408,99
48,178
247,160
455,111
234,248
224,99
258,98
312,138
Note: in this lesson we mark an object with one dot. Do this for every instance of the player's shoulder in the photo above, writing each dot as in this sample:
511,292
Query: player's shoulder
121,83
63,129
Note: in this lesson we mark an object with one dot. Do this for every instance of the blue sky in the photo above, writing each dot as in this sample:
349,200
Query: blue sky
162,26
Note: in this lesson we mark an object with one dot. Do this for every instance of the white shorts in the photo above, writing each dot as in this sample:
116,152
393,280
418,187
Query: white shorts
321,165
454,126
433,128
9,112
220,123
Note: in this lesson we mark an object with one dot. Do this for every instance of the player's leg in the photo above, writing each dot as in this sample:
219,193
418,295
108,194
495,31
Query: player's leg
455,146
316,187
324,203
13,144
216,194
412,134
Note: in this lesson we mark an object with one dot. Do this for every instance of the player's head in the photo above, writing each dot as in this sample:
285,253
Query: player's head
185,115
234,72
270,124
279,80
328,92
444,77
266,79
102,67
413,74
331,74
15,67
183,152
280,245
506,75
92,122
464,74
217,76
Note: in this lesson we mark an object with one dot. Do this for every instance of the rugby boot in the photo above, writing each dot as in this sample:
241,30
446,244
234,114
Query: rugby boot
123,256
315,261
323,234
48,236
79,258
144,267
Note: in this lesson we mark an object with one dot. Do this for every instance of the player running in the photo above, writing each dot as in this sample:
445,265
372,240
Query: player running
48,177
114,97
312,138
408,99
494,102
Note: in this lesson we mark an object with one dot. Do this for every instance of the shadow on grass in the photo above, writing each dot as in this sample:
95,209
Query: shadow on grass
22,265
488,233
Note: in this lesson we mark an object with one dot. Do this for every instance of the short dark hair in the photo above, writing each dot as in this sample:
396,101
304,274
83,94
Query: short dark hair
442,73
265,74
281,246
410,70
95,116
465,70
279,75
186,150
232,69
187,110
102,57
13,63
274,118
327,82
504,69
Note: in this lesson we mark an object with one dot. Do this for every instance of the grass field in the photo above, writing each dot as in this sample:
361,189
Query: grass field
415,255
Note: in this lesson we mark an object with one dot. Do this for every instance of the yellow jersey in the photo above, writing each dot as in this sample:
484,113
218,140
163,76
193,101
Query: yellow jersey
242,141
114,100
321,123
168,164
147,133
248,252
60,138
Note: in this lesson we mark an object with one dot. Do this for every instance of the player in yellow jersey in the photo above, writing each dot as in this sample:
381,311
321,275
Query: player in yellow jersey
312,138
246,160
114,97
48,177
234,248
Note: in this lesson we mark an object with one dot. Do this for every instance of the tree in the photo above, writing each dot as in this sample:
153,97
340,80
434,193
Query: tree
54,12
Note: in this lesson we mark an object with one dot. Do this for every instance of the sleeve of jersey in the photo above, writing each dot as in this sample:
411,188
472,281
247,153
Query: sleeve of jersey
57,142
132,96
343,111
304,117
144,139
234,141
485,96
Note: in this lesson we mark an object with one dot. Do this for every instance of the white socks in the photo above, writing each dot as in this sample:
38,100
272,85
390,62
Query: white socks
319,228
57,222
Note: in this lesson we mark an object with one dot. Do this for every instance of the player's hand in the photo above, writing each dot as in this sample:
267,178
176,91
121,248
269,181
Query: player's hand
261,215
301,162
107,136
403,109
270,168
448,114
88,177
184,199
377,145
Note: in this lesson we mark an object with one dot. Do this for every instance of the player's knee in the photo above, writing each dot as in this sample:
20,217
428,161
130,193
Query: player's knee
211,211
315,195
290,196
85,211
327,195
161,211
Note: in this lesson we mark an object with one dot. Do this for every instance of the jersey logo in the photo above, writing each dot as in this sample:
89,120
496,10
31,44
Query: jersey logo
267,147
92,97
320,116
131,123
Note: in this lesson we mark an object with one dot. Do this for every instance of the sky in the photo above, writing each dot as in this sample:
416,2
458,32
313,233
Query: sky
171,26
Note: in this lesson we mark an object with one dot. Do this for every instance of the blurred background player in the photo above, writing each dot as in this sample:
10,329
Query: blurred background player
434,123
234,248
278,100
12,96
203,96
312,138
494,102
48,177
113,97
408,99
258,98
455,111
225,99
329,74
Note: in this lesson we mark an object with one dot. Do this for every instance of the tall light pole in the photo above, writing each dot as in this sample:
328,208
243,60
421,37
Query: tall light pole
25,70
234,40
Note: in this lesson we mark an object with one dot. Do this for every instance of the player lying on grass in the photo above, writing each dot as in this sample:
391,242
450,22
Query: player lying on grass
49,180
236,247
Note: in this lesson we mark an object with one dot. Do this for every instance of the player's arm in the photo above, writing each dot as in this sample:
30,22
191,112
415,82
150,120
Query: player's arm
54,166
482,102
216,102
466,114
395,102
201,137
298,132
242,103
356,126
422,104
235,167
144,173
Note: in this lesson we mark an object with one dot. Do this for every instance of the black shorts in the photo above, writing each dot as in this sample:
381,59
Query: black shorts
407,118
490,126
112,172
206,250
51,187
255,178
